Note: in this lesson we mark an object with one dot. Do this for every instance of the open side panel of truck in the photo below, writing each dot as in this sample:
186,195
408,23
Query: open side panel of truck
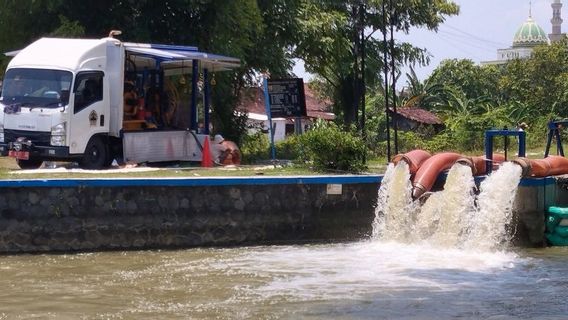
175,138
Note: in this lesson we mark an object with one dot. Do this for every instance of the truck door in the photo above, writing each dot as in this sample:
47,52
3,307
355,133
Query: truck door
89,114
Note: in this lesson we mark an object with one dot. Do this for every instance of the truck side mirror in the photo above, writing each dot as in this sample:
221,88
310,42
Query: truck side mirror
64,97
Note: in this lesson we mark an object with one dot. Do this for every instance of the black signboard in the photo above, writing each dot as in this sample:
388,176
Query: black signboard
287,98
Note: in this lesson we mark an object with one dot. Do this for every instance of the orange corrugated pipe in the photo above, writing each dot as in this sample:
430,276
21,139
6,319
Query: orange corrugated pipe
429,171
478,163
413,158
538,168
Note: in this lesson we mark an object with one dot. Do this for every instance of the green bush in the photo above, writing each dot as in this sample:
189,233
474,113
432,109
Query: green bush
333,149
290,149
255,147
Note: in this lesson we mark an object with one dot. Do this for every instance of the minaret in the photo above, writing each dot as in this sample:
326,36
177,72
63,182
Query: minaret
556,21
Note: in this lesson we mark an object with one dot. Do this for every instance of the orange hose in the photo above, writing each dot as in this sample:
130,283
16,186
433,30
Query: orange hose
414,159
558,165
478,164
538,168
428,172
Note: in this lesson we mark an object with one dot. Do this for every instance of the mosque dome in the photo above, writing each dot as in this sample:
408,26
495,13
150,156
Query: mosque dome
530,34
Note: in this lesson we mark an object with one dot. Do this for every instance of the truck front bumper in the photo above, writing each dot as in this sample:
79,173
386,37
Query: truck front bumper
43,152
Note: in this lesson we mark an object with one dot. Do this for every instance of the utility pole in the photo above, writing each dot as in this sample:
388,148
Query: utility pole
363,86
392,13
386,75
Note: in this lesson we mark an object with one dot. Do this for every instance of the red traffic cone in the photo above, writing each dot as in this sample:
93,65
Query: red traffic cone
206,154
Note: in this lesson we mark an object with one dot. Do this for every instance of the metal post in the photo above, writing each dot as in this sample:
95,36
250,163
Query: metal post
207,101
488,152
194,79
393,71
363,84
271,129
386,72
298,125
506,146
522,143
559,148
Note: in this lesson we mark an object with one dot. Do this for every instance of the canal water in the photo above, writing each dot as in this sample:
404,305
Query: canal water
441,264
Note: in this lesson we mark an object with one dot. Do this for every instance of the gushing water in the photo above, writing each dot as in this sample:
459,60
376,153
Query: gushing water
494,208
451,218
444,217
395,209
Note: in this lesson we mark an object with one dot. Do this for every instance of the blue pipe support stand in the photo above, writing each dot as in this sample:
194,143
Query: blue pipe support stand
554,128
490,134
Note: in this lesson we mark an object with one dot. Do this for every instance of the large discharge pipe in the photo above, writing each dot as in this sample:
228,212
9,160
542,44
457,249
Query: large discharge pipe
539,168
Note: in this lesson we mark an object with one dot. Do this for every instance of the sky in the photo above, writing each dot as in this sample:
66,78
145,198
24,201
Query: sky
482,27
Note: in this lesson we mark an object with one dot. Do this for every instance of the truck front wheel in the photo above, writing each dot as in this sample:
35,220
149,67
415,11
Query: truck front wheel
29,164
96,154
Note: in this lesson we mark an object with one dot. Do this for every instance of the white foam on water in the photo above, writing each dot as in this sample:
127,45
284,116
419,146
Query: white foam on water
353,271
453,217
492,218
395,209
445,215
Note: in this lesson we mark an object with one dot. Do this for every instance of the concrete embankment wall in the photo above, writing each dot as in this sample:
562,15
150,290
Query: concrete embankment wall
104,214
533,198
100,214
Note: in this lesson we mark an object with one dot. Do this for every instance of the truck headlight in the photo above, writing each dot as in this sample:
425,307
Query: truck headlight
58,134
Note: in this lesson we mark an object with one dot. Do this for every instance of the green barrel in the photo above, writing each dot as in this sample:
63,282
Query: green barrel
557,226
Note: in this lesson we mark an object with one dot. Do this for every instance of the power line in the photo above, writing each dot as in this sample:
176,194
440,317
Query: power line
480,43
458,38
460,48
473,36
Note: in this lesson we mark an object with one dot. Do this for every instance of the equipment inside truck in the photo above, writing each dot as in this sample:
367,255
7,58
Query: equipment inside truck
173,86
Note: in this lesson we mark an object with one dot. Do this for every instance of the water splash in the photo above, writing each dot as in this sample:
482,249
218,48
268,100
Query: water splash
444,217
395,209
494,209
449,218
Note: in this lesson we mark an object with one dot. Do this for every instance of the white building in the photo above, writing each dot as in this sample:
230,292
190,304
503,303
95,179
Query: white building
530,35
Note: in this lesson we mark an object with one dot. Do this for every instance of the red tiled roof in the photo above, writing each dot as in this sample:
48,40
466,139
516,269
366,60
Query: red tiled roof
419,115
252,100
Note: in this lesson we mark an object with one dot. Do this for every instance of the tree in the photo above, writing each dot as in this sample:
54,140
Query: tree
464,75
259,33
539,82
428,95
330,42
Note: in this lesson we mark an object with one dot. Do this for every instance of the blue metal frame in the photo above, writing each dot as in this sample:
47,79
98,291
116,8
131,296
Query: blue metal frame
191,182
269,115
172,47
194,79
207,101
554,127
490,134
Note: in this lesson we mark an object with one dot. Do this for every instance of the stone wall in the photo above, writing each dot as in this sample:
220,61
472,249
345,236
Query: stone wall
101,214
533,198
107,214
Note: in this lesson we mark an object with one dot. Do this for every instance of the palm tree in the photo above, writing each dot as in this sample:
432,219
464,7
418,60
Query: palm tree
427,95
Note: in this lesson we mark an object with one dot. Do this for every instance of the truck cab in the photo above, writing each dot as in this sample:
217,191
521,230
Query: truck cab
65,100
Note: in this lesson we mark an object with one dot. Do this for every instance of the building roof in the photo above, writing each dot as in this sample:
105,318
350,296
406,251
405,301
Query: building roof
252,101
529,34
418,115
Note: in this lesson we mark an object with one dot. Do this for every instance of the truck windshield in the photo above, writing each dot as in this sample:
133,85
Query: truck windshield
36,87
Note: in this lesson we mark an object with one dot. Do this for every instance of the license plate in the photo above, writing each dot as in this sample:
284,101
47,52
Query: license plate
21,155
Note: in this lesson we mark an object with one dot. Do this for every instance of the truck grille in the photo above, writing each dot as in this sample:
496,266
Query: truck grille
37,138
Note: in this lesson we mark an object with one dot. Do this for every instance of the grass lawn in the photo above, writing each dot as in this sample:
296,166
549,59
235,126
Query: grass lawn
10,170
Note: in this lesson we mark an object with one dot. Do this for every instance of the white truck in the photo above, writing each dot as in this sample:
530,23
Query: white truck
63,100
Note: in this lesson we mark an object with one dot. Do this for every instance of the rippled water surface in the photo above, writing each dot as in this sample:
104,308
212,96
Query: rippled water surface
364,280
446,259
